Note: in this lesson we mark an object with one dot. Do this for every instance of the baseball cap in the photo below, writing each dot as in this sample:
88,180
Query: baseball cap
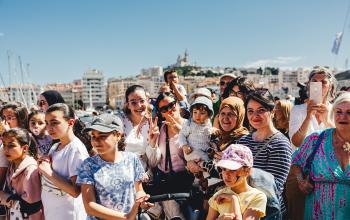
105,123
236,156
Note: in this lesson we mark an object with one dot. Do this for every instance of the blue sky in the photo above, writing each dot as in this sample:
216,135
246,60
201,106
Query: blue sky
62,39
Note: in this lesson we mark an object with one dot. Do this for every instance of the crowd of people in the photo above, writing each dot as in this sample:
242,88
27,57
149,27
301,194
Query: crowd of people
240,155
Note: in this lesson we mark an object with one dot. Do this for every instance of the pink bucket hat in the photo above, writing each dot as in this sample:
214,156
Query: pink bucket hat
236,156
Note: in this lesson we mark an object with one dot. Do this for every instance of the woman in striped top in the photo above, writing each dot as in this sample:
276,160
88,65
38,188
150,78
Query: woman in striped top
271,149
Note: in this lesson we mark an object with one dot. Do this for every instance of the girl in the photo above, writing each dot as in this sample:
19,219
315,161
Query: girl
37,127
60,195
22,180
111,180
14,115
135,119
237,200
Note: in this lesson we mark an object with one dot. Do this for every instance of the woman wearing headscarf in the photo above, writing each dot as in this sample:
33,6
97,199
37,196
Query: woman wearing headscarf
48,98
231,116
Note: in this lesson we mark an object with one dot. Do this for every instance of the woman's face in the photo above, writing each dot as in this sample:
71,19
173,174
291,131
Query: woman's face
278,114
9,115
42,103
342,116
137,103
168,107
104,143
236,92
321,77
258,115
227,119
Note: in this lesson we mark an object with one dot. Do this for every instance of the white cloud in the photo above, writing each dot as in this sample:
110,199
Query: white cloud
273,62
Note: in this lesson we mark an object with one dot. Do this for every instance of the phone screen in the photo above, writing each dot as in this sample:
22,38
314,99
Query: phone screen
316,92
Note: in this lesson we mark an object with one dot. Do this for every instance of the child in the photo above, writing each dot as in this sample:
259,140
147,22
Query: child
23,187
237,200
14,115
195,134
60,195
37,127
111,180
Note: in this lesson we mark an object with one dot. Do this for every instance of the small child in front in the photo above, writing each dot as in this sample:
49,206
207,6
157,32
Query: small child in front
237,200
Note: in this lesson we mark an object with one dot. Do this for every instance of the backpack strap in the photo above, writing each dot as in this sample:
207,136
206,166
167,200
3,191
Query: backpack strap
310,159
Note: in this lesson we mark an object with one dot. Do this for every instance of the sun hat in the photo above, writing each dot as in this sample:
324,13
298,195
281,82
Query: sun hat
203,101
200,92
236,156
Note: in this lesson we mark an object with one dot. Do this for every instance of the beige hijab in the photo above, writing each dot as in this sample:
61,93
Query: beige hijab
237,106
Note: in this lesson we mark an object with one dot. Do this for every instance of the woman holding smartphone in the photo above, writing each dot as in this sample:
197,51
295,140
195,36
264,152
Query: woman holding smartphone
304,120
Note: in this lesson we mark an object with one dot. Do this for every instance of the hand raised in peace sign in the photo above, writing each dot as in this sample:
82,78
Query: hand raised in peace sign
153,132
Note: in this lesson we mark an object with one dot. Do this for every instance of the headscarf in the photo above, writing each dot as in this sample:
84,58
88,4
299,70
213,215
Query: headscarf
237,106
53,97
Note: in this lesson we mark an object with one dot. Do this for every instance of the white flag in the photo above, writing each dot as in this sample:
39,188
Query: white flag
336,43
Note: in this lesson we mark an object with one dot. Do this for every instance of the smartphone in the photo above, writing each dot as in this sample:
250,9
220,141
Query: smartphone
316,92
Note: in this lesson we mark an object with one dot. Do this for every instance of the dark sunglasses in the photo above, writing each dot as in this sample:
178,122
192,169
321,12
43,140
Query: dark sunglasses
222,83
41,103
168,107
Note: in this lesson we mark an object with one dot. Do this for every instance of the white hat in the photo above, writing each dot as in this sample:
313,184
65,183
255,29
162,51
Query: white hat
200,92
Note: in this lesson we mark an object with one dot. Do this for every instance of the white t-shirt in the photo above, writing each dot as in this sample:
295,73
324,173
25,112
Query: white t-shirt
66,162
297,117
3,160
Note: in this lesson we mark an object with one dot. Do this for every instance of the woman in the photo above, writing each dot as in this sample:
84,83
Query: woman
325,159
171,175
135,117
48,98
111,180
281,116
230,117
304,120
240,87
270,148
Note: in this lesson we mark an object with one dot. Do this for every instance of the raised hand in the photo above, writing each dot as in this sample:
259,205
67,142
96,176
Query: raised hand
153,132
172,123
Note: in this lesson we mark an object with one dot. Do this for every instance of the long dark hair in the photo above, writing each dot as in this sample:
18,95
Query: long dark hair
128,91
20,111
160,97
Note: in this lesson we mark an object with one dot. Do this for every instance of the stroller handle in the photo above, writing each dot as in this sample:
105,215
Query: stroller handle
172,196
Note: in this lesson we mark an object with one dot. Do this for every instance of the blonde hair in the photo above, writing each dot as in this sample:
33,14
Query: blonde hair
343,97
285,107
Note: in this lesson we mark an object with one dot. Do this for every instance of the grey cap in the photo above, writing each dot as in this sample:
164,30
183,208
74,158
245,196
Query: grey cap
105,123
200,92
204,101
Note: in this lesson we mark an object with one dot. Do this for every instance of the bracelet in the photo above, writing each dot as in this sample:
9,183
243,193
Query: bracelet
300,131
299,177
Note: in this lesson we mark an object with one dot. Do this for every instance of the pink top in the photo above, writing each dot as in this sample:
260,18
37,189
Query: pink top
176,153
25,182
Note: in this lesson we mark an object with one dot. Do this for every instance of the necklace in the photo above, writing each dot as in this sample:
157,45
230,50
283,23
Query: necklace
346,145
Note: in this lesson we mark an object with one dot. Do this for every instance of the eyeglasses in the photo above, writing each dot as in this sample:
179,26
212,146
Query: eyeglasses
237,94
136,102
260,111
168,107
339,113
222,83
41,103
9,118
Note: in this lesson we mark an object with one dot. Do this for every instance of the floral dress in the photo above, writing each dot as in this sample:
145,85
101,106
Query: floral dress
331,196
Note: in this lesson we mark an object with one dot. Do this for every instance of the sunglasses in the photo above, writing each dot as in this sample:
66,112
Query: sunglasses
168,107
42,102
222,83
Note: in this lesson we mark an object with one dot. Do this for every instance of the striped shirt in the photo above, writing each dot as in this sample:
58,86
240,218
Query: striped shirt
275,158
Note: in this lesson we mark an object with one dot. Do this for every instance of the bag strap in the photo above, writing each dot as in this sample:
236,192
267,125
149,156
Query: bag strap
313,153
167,151
264,147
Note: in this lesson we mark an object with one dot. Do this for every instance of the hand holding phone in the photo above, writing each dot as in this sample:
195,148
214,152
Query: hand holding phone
316,92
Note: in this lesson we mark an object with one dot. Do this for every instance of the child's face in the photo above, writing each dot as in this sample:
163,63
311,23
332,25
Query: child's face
9,115
104,143
12,148
57,126
137,102
233,177
172,77
200,115
37,124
